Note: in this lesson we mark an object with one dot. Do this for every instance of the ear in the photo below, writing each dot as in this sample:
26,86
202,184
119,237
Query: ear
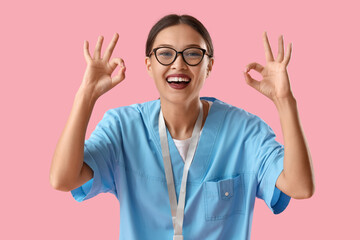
148,66
209,67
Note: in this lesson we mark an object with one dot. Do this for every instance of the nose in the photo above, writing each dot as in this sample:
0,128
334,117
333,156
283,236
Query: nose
179,62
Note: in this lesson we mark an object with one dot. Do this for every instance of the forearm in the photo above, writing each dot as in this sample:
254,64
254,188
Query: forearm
68,157
298,170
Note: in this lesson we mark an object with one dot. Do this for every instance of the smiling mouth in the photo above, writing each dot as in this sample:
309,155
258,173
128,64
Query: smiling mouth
178,80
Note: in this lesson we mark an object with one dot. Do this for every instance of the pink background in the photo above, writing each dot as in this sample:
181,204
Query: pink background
42,66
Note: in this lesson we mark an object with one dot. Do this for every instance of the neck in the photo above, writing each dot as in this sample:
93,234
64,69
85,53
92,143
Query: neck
180,119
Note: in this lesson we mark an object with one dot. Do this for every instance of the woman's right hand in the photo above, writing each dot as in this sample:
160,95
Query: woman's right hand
97,77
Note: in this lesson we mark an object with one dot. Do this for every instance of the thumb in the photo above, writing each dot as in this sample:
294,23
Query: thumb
120,76
252,82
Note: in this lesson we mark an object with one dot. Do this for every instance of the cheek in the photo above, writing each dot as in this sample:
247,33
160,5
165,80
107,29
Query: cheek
159,71
159,76
200,73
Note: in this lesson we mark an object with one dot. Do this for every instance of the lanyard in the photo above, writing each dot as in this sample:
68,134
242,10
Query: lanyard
177,210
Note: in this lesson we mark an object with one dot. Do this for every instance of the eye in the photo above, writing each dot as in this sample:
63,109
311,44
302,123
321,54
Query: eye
166,53
193,53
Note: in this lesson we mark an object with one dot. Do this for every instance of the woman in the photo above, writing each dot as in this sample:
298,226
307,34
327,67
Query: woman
142,153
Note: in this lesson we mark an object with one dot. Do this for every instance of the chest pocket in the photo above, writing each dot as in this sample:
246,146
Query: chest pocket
224,198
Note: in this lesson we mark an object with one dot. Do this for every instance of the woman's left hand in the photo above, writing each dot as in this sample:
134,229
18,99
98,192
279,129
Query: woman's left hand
275,83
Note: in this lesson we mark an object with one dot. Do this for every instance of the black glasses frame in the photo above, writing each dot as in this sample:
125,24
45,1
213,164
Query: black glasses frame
177,53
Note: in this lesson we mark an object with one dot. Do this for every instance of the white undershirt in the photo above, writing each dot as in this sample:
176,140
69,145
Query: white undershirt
183,145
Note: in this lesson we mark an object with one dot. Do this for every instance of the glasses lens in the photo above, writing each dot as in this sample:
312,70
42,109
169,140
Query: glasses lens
165,55
193,56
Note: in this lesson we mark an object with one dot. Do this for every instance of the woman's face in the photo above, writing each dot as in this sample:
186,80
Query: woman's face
179,37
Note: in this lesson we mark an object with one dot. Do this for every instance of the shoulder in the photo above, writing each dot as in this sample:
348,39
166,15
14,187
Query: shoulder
240,115
236,119
131,112
134,117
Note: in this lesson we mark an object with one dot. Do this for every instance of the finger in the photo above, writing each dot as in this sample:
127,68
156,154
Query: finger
86,51
97,52
288,54
111,47
256,66
268,53
116,62
252,82
280,56
120,76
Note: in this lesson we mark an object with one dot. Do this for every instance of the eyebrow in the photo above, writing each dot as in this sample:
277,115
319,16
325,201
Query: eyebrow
189,45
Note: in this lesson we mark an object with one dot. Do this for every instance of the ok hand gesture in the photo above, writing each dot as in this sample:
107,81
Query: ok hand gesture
275,83
97,78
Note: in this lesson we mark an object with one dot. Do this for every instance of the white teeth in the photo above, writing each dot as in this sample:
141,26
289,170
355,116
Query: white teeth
178,79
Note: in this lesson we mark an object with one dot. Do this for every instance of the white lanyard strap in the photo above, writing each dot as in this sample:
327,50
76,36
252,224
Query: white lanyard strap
177,210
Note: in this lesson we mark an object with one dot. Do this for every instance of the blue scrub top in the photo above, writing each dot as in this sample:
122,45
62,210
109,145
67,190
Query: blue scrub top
236,160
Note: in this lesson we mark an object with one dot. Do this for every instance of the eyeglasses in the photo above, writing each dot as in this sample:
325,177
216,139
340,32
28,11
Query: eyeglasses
166,55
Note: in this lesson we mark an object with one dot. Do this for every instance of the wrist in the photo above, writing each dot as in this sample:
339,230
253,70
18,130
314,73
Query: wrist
284,103
86,94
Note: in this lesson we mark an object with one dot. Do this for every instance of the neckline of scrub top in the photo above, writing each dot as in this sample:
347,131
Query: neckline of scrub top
182,142
182,145
206,143
177,207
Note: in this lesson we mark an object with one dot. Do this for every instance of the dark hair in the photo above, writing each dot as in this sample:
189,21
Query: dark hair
174,19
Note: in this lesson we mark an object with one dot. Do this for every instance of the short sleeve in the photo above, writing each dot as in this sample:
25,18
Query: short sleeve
100,153
270,153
